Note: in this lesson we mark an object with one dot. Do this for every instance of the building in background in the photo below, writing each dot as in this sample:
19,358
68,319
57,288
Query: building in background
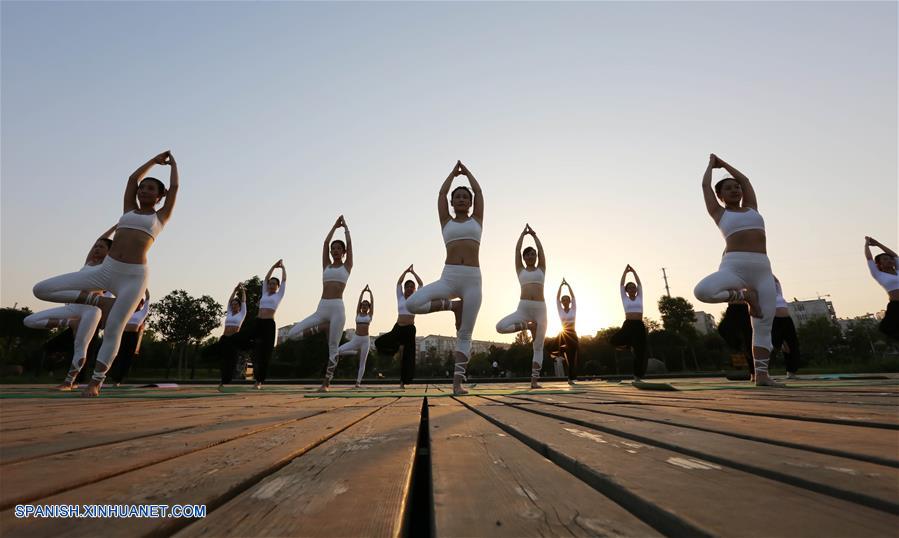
446,344
803,311
704,323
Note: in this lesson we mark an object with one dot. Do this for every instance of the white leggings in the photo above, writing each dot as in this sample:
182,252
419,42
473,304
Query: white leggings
127,281
528,311
88,317
741,270
361,345
456,282
329,311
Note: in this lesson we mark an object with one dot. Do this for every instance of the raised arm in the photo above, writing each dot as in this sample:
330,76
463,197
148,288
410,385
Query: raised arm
268,276
359,302
243,299
519,266
884,248
399,281
571,294
442,202
135,178
108,233
624,275
348,261
541,257
711,200
326,247
171,195
478,210
559,294
637,278
417,278
749,199
371,299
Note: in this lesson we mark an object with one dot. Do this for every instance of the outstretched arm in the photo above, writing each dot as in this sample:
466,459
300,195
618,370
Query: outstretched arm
442,202
326,247
171,195
868,243
624,275
749,199
884,248
637,278
519,266
348,262
478,211
359,302
711,201
137,176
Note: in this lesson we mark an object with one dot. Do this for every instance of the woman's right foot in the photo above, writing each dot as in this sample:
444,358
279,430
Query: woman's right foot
752,299
458,389
572,383
767,381
534,384
65,387
92,390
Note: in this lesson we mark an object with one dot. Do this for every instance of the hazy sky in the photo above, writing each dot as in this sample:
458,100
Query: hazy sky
591,121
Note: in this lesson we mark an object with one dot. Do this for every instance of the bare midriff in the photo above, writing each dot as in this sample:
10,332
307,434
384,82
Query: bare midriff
333,290
231,330
266,313
463,252
131,246
747,241
782,312
404,320
568,326
894,295
362,329
633,315
532,292
132,328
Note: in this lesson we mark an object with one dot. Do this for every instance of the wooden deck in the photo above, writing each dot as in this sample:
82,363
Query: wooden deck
714,458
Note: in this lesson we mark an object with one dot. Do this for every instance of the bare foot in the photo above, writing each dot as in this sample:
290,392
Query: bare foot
752,299
766,381
323,388
221,388
258,385
572,383
534,384
457,312
357,386
65,387
92,390
402,386
458,389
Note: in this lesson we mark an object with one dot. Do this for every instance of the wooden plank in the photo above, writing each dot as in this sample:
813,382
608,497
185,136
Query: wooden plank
32,479
865,483
487,483
355,484
866,444
688,496
211,477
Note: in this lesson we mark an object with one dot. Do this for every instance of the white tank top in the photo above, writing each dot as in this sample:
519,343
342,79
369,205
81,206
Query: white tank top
732,222
568,317
780,301
457,231
401,303
634,306
149,224
362,319
335,274
531,277
889,281
138,317
236,320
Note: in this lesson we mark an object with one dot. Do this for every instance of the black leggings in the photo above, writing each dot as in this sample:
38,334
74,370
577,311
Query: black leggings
389,343
122,363
568,339
782,331
633,334
889,325
227,350
265,342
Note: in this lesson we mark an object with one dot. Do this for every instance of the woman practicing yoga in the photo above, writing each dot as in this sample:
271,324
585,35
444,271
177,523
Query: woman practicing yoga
361,342
745,271
633,332
402,335
568,340
531,312
883,269
330,315
461,277
82,318
124,272
131,337
264,330
237,311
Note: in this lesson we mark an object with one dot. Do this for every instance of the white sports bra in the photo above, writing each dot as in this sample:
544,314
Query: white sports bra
363,319
531,277
236,320
147,223
138,317
335,274
780,301
889,281
634,306
569,316
457,231
401,303
271,301
732,222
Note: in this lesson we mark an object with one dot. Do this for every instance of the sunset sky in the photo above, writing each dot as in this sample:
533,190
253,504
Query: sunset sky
591,121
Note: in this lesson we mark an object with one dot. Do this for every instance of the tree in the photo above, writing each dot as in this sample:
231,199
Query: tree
183,320
678,316
818,336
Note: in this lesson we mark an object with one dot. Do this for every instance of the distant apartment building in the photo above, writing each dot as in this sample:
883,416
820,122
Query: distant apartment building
803,311
446,344
704,323
285,330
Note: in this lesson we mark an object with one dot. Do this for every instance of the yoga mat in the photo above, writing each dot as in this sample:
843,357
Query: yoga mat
484,392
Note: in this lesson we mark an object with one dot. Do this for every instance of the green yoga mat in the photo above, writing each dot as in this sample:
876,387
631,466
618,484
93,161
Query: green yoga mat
483,392
108,394
790,384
